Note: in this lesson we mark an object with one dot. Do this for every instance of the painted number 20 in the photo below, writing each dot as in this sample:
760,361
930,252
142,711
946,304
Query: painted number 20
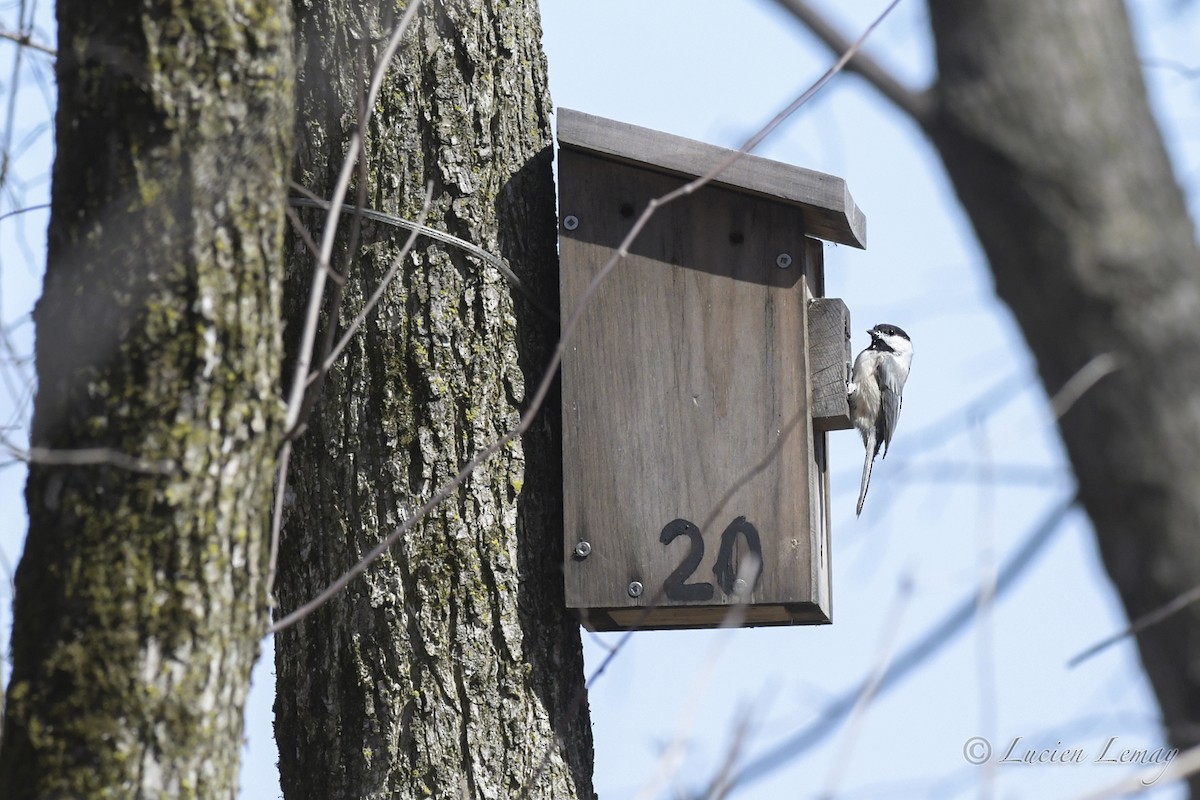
676,587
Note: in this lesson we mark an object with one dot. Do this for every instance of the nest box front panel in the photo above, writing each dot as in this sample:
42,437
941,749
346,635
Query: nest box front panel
687,438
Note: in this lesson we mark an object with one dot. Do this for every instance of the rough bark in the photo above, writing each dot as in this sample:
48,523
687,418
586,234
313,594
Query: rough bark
139,602
449,669
1042,121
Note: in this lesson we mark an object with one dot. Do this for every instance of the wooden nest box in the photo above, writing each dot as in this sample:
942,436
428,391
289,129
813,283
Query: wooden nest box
700,383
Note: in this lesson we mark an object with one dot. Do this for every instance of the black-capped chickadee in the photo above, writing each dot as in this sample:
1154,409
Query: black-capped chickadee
876,392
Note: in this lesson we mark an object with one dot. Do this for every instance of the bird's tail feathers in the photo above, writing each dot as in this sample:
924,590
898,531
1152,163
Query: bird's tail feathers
868,464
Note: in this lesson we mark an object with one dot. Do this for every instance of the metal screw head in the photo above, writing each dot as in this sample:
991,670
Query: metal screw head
635,589
783,260
583,549
570,222
739,586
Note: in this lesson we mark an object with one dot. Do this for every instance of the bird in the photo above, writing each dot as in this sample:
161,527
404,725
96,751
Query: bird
876,392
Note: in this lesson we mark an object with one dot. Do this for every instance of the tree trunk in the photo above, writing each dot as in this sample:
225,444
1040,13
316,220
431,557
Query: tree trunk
1041,118
1042,121
449,669
139,603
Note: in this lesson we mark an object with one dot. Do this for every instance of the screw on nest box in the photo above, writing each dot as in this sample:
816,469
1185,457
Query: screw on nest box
700,384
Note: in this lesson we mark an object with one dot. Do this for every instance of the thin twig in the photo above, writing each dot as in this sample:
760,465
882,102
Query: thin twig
1178,67
25,210
984,626
285,452
1140,624
951,471
870,687
722,781
377,295
986,405
95,456
581,693
672,756
1182,765
446,238
1084,379
297,397
317,292
301,231
584,301
285,457
314,386
732,619
25,40
917,105
913,656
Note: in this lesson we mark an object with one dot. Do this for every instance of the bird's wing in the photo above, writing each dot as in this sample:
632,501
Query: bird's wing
889,411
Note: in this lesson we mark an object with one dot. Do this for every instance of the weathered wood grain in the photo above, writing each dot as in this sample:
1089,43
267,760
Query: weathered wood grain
828,210
686,394
829,350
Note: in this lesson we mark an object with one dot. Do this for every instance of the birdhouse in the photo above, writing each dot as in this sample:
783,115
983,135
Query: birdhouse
700,383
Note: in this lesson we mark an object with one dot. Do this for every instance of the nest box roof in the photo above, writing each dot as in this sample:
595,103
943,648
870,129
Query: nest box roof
828,210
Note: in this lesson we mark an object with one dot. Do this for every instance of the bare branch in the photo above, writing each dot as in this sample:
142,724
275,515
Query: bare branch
672,756
96,456
375,297
870,687
298,397
25,210
912,656
446,238
309,336
943,472
285,458
1170,64
1084,379
285,453
917,105
25,40
585,298
983,407
985,653
1140,624
301,231
722,783
1184,764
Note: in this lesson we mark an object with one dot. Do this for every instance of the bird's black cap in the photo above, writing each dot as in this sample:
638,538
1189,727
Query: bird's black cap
885,329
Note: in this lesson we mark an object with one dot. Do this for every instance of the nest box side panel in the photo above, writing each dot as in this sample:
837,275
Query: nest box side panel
825,385
686,396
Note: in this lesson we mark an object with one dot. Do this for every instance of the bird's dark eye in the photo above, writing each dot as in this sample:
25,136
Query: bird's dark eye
884,329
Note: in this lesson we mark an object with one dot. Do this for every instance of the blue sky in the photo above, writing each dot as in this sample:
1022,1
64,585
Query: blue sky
715,72
665,711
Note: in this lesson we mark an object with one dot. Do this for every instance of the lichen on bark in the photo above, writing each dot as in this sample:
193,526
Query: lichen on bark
450,668
139,602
